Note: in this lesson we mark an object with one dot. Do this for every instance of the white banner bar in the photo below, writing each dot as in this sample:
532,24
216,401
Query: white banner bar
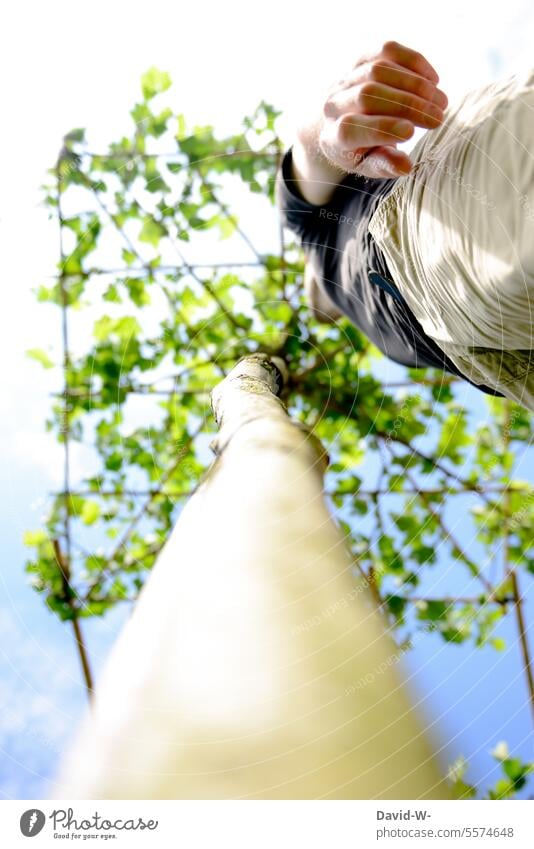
268,824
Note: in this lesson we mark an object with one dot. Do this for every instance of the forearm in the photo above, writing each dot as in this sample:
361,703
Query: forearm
317,178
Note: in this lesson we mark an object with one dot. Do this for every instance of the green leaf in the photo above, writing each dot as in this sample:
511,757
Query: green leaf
124,328
41,357
397,606
114,461
432,610
76,135
397,483
31,538
90,512
111,294
181,130
152,232
95,608
128,256
454,436
514,768
154,82
503,789
360,506
456,774
137,291
61,607
227,226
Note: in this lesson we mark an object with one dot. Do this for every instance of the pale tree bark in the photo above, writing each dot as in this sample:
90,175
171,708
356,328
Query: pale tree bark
255,664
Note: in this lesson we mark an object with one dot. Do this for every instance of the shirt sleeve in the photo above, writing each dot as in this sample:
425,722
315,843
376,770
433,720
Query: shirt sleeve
306,220
312,223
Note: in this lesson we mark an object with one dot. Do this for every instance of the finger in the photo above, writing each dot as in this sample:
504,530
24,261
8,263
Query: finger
384,162
411,59
372,98
390,73
350,135
371,130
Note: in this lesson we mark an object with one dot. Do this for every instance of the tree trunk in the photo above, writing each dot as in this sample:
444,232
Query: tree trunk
255,664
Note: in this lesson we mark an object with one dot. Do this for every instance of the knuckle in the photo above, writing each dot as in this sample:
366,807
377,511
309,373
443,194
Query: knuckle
390,46
380,68
419,86
329,108
368,89
387,127
409,101
376,71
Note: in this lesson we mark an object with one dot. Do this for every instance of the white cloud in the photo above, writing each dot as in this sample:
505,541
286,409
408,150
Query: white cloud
41,697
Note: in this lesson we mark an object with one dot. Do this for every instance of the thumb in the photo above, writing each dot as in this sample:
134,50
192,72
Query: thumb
384,162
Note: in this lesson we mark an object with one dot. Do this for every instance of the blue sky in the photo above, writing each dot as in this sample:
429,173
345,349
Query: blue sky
92,80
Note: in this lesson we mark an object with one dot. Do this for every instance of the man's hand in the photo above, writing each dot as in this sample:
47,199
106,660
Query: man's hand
365,116
376,106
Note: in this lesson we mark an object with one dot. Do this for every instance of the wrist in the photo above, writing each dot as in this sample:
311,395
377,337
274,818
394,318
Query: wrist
308,153
310,163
